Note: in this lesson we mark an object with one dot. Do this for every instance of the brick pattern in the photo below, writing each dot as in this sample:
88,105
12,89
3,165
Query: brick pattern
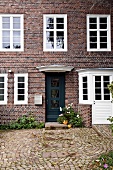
33,55
86,114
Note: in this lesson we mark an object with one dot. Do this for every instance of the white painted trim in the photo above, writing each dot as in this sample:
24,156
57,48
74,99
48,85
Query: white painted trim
98,41
11,36
90,73
16,102
4,102
55,68
65,31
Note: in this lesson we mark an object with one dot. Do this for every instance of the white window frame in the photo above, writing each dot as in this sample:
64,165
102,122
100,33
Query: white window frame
98,30
16,101
11,49
90,80
4,102
65,31
81,101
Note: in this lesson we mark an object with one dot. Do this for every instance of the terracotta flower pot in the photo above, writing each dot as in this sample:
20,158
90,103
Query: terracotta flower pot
69,126
65,122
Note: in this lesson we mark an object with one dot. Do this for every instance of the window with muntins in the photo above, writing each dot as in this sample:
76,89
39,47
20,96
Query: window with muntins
3,89
85,88
21,89
11,32
55,33
98,33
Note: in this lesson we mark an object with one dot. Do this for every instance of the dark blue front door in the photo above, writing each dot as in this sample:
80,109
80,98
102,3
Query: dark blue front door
55,95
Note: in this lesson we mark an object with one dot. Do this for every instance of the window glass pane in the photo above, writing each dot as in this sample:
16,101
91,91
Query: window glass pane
103,26
21,97
103,39
49,23
93,33
49,39
49,36
103,45
60,40
21,79
16,22
106,78
6,19
6,25
1,85
106,97
85,97
84,79
6,45
21,91
1,97
93,45
1,79
97,97
16,33
103,20
54,104
16,19
16,45
85,91
1,91
60,23
103,23
98,88
97,91
54,93
21,85
97,78
6,33
103,33
92,20
93,39
93,26
16,26
6,39
84,85
55,82
16,39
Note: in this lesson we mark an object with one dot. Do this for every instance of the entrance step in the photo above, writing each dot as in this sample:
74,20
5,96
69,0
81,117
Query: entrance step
54,126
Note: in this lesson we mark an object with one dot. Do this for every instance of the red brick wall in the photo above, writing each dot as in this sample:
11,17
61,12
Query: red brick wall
33,55
86,114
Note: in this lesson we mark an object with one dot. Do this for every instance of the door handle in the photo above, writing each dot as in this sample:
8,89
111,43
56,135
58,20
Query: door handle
94,102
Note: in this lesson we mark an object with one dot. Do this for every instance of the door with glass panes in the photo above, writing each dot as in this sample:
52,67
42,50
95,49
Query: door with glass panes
102,103
55,95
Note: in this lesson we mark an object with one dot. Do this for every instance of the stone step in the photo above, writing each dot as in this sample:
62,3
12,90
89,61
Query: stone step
54,126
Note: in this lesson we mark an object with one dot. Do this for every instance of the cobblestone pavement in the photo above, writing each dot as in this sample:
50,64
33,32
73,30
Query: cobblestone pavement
71,149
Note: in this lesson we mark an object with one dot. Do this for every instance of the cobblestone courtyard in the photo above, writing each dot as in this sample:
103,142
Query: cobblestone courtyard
70,149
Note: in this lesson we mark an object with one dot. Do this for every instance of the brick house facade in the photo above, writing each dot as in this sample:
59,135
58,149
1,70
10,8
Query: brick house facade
85,57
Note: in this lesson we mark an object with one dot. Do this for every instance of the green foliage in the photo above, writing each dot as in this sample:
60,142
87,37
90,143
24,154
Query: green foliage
69,114
24,122
61,118
111,120
110,87
105,161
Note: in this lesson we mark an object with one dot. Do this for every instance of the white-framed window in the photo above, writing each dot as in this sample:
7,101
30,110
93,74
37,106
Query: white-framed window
93,85
98,33
21,88
55,32
11,32
84,88
3,89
